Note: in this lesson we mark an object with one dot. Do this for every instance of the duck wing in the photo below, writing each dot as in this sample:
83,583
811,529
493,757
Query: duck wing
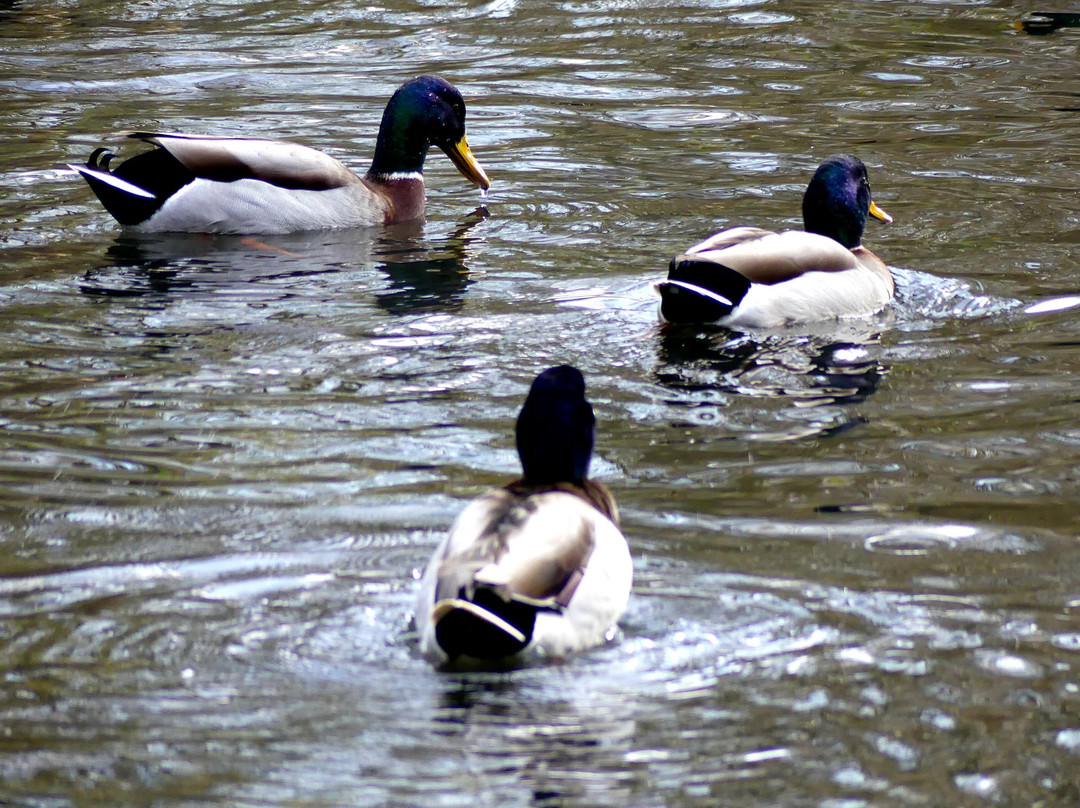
278,162
762,256
529,549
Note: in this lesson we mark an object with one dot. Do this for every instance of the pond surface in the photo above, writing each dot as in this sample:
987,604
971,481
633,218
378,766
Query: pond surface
224,460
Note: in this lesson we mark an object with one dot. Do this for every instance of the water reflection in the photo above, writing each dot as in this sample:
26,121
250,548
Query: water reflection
1041,23
145,264
516,737
835,366
424,273
8,10
426,278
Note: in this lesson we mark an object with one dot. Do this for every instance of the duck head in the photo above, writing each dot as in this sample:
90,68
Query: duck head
837,201
424,112
556,428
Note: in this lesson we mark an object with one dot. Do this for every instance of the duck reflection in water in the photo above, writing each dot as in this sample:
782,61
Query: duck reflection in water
554,731
425,274
146,264
830,367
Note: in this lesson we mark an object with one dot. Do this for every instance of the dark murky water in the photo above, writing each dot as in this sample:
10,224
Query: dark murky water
224,460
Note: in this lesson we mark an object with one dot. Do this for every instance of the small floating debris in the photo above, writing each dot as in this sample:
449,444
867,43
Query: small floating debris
1046,22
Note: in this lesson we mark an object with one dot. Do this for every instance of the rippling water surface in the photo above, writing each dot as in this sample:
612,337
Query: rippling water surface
225,460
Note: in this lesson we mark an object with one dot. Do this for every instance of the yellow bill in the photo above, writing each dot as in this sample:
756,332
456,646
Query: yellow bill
877,213
462,157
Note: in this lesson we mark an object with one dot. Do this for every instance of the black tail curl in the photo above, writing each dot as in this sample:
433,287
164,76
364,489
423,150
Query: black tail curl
462,633
99,159
698,291
156,171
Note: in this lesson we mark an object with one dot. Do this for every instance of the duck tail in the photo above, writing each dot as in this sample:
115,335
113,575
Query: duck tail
483,626
698,291
138,187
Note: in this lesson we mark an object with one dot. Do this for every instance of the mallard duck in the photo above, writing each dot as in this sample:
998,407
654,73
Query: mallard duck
748,277
538,568
195,184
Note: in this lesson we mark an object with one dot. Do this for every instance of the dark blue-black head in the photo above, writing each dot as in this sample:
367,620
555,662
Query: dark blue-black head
424,112
556,428
837,201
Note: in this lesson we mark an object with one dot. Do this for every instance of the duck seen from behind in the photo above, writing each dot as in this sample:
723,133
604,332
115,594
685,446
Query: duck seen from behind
537,568
195,184
749,277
